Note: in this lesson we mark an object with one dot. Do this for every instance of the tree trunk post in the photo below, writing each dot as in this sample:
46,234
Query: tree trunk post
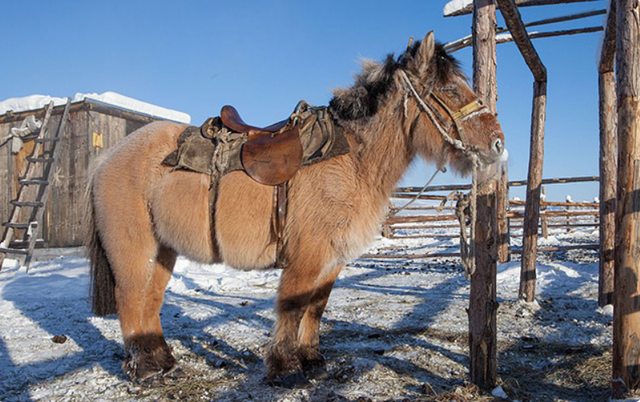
626,316
532,207
608,159
482,300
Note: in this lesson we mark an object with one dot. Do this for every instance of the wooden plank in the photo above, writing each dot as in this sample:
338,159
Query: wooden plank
513,183
551,249
521,3
559,203
626,311
465,42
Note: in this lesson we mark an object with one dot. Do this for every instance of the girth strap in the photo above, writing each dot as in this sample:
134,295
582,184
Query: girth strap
279,220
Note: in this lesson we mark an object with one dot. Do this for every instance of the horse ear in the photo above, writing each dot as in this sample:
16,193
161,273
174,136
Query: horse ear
427,48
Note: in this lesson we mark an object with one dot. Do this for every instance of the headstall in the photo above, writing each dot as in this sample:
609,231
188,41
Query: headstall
467,250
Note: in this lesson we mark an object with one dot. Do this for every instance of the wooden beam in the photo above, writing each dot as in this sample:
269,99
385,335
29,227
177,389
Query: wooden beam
521,3
626,311
467,40
513,183
558,180
563,18
512,18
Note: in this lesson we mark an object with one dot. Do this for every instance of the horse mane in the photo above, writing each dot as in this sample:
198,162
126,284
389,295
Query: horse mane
374,84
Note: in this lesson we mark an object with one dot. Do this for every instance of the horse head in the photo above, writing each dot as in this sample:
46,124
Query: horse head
446,119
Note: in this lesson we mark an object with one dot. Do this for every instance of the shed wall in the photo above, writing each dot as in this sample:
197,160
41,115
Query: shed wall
63,216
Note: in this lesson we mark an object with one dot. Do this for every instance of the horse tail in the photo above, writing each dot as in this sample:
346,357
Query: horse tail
103,284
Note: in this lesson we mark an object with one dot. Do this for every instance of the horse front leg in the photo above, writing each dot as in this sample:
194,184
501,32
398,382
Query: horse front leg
313,363
297,284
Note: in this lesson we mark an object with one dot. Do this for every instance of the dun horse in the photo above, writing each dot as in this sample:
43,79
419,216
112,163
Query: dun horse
144,214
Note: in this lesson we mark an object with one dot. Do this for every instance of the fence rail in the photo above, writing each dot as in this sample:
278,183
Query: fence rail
421,221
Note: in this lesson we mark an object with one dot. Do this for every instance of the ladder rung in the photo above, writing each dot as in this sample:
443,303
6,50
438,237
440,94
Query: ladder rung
13,251
16,225
42,160
33,181
23,244
41,140
25,203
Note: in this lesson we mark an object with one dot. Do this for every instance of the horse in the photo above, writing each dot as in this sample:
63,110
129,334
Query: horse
142,214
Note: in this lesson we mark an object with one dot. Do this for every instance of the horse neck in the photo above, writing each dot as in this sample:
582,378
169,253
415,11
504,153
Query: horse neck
383,153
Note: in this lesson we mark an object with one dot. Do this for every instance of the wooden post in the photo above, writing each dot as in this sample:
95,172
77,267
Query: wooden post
514,22
608,159
482,300
532,208
544,220
626,311
502,193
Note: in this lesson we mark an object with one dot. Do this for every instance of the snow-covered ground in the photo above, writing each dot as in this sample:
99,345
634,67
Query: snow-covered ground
392,330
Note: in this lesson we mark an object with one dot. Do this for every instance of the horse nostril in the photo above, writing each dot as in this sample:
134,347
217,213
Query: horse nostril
497,147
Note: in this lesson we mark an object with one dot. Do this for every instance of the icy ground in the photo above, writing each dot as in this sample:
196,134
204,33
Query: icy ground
393,330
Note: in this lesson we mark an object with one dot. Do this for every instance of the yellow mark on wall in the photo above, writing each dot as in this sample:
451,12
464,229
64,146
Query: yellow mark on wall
97,140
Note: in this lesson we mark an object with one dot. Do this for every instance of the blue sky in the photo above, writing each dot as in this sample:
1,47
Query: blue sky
262,57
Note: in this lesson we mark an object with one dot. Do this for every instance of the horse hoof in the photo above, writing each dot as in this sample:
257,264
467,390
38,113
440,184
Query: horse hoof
317,373
148,379
295,380
175,372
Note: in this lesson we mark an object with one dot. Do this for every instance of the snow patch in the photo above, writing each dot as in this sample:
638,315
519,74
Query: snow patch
31,102
455,5
34,102
126,102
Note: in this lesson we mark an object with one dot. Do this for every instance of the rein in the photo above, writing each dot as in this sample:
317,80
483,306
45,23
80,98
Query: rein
467,250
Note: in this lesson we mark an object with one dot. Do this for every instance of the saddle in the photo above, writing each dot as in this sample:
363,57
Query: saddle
271,155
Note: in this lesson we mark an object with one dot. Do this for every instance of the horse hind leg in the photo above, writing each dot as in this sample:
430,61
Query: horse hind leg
313,363
154,355
141,269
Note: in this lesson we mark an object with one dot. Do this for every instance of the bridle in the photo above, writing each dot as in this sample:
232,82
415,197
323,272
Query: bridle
457,117
467,250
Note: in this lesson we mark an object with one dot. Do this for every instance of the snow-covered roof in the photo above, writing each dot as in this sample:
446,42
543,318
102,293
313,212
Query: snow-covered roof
34,102
454,6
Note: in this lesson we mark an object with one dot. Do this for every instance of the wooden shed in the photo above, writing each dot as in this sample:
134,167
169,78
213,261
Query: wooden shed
92,127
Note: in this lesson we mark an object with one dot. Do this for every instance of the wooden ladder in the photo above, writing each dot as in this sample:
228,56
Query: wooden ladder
49,147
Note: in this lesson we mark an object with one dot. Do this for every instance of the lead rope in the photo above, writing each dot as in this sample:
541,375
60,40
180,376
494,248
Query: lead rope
396,210
467,249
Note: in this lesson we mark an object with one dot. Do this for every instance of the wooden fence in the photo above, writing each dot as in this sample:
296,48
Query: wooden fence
432,218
